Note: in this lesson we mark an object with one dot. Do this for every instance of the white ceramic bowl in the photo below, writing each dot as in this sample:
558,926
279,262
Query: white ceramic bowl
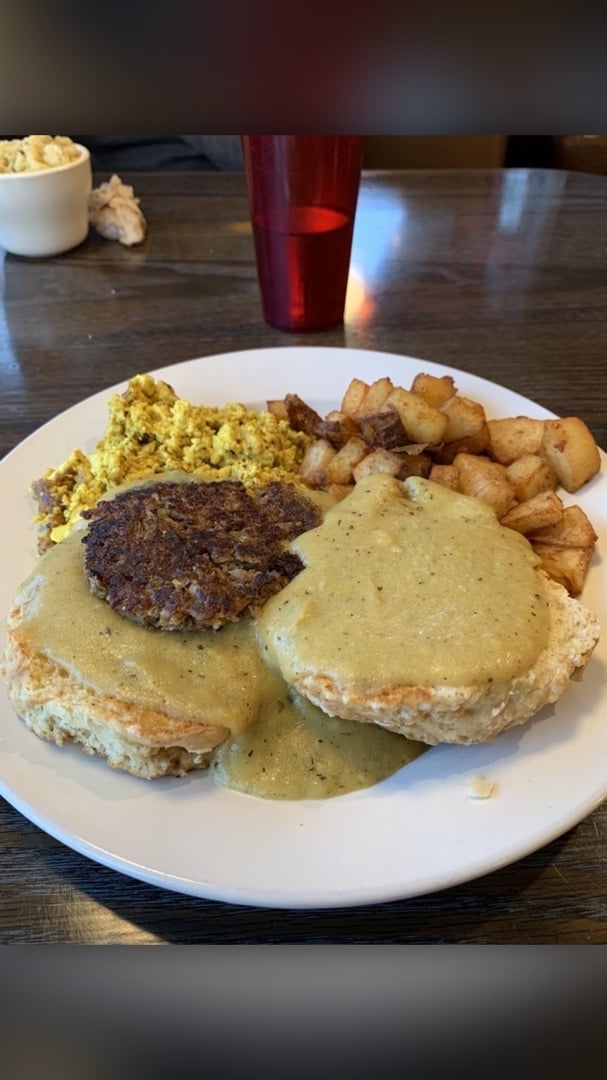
46,212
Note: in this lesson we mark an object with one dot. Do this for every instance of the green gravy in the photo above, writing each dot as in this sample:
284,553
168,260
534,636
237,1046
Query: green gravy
408,584
276,748
294,746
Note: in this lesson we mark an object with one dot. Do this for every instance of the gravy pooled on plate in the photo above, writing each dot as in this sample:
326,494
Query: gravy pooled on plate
275,747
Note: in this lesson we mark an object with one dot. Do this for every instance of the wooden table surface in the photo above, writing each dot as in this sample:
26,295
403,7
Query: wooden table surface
498,273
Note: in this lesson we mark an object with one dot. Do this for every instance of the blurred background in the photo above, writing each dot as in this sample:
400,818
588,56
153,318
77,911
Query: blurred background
584,153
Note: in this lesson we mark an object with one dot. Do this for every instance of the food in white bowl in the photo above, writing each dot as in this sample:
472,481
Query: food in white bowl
36,152
45,183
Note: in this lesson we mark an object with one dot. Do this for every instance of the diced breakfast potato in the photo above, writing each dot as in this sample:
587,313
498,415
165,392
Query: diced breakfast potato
316,461
435,391
398,465
531,475
447,475
373,399
475,443
569,447
337,431
485,480
415,465
566,548
422,422
465,418
540,512
514,465
568,566
466,432
278,409
340,468
383,429
354,396
574,529
378,461
510,439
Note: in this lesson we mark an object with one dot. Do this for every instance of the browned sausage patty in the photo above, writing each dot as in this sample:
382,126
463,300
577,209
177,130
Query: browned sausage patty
186,555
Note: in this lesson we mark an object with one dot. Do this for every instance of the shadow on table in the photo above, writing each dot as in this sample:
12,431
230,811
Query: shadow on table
502,907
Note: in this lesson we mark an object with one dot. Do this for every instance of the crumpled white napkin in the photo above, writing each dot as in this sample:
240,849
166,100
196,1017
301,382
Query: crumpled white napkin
115,213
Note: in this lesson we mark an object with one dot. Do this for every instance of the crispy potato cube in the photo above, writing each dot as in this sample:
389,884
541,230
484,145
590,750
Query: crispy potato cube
566,548
415,465
374,398
465,418
435,391
568,566
531,475
316,461
570,448
278,409
383,429
336,428
485,480
339,469
397,465
510,439
354,396
422,422
573,530
476,443
539,512
337,432
377,461
447,475
301,416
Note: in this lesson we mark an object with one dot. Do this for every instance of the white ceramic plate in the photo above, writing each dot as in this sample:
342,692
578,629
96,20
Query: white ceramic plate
418,831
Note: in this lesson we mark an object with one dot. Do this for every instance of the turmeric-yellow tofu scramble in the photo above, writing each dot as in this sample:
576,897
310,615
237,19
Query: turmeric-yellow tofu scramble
151,430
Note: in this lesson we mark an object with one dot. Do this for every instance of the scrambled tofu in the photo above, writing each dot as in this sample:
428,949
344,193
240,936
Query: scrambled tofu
151,430
36,152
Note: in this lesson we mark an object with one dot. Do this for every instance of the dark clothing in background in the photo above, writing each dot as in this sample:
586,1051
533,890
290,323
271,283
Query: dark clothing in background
111,153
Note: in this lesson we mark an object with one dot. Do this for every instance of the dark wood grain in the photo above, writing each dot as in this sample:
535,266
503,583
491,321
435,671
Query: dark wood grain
502,274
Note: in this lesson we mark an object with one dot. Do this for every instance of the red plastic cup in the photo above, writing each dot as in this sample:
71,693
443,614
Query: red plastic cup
303,191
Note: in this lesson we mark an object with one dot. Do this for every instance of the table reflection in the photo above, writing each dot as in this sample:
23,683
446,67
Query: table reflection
381,222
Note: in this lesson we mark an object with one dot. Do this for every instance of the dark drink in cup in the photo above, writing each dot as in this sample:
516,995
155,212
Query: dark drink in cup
303,257
303,191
